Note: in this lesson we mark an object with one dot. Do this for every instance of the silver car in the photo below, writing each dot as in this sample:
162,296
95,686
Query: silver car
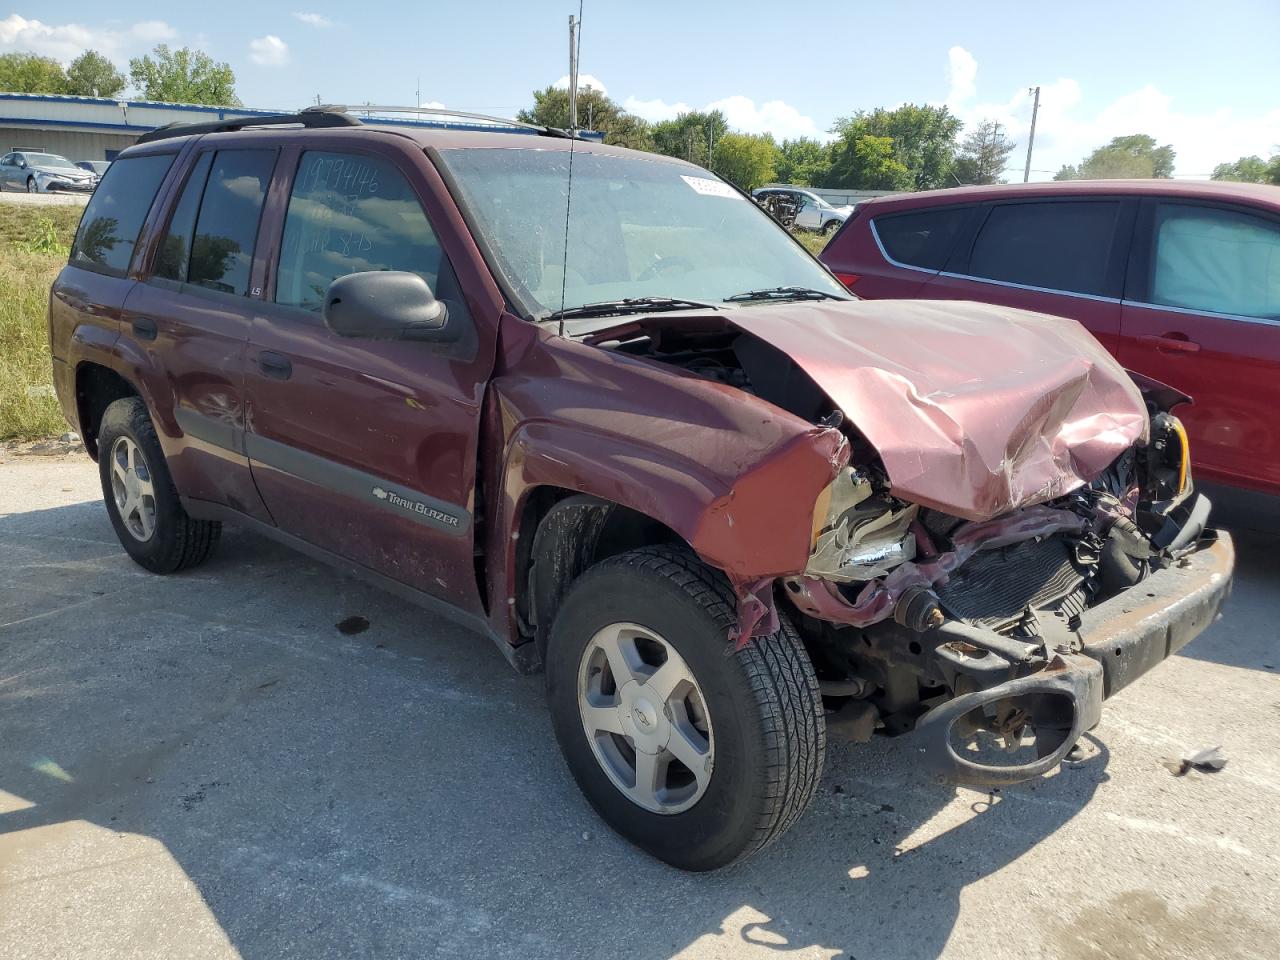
813,212
44,173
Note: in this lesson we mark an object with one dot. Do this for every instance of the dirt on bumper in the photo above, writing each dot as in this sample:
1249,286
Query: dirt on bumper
1122,639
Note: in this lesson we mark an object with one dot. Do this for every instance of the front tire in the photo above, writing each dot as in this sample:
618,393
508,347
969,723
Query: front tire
698,755
140,496
32,186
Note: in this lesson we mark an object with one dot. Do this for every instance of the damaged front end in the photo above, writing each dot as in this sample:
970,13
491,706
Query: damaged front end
996,641
1009,536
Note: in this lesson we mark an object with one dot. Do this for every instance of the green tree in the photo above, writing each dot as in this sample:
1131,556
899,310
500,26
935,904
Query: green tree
1245,170
804,162
28,73
1133,157
862,162
922,141
691,136
595,112
745,159
184,76
93,75
983,154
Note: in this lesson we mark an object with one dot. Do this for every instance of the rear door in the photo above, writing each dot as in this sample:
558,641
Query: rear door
191,315
1061,255
1202,313
368,448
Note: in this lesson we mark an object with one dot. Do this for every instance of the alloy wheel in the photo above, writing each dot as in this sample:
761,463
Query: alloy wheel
132,488
646,718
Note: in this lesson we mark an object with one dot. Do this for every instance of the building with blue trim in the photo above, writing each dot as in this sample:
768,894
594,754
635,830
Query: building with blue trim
97,128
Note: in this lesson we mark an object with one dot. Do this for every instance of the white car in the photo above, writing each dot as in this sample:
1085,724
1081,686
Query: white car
814,213
44,173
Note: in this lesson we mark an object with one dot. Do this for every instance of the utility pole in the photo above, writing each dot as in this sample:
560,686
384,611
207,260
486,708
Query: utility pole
573,74
1031,140
711,142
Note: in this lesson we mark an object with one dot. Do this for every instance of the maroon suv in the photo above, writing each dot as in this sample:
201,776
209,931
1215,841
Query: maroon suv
596,405
1179,280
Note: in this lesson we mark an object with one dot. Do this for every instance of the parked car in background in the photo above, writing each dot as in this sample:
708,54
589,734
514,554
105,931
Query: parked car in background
812,212
659,451
1179,280
96,167
44,173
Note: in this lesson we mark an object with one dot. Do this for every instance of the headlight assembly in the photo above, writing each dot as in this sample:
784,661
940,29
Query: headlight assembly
858,534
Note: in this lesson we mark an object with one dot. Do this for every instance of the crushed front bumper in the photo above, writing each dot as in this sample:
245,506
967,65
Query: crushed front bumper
1122,639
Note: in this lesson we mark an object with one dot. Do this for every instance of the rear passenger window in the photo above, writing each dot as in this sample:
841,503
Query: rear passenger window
113,218
1057,245
349,214
175,248
921,239
227,224
1218,261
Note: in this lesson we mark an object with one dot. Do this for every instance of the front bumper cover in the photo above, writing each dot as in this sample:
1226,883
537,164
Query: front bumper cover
1122,639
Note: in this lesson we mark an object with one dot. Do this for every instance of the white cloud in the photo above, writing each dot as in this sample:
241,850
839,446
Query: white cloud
655,110
1067,132
67,41
269,51
781,119
584,80
962,75
314,19
777,117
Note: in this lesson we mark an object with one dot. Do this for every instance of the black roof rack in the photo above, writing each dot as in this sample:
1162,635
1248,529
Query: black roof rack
311,117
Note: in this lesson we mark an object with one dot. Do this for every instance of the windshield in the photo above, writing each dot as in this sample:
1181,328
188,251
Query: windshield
637,228
48,160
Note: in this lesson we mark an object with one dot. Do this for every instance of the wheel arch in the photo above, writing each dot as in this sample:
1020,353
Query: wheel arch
562,533
97,387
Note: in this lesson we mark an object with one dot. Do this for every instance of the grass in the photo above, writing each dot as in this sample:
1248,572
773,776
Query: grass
33,248
813,242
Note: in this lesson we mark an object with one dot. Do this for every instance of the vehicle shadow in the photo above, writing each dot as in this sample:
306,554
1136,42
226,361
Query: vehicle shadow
397,791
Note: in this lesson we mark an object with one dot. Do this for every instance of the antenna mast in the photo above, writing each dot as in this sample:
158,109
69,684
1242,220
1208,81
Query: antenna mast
574,24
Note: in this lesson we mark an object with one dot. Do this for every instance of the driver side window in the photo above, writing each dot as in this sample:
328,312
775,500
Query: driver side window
351,213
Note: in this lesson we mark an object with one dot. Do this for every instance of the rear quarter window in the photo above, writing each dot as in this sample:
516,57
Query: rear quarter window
113,218
921,238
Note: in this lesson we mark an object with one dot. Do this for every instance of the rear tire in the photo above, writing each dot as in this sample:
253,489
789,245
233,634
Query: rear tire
760,707
140,496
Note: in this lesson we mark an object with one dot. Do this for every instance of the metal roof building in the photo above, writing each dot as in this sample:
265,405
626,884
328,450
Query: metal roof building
97,128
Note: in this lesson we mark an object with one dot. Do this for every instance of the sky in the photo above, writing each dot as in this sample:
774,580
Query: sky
1204,77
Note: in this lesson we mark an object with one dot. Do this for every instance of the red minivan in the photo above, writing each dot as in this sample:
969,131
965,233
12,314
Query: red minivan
1180,281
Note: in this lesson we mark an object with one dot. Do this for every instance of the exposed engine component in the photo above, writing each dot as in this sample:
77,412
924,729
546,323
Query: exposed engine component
859,535
1006,589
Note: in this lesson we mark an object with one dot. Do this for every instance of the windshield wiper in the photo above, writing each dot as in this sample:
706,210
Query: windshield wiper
782,293
608,308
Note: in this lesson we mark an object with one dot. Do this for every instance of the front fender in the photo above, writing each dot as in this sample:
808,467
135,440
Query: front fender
751,525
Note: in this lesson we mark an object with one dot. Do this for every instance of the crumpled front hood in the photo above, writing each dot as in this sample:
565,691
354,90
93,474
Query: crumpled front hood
975,409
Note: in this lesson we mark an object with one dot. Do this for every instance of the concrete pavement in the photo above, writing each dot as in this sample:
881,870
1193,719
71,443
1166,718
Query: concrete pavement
204,765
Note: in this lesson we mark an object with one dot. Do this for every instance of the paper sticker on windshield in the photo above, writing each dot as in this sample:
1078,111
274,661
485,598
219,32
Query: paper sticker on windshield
710,188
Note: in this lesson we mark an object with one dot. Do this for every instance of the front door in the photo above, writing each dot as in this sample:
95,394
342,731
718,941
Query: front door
1202,314
367,448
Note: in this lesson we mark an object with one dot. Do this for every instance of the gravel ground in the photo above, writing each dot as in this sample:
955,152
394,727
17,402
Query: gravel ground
45,199
204,766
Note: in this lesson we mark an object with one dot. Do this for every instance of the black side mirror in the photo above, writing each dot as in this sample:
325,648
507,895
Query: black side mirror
386,305
22,164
